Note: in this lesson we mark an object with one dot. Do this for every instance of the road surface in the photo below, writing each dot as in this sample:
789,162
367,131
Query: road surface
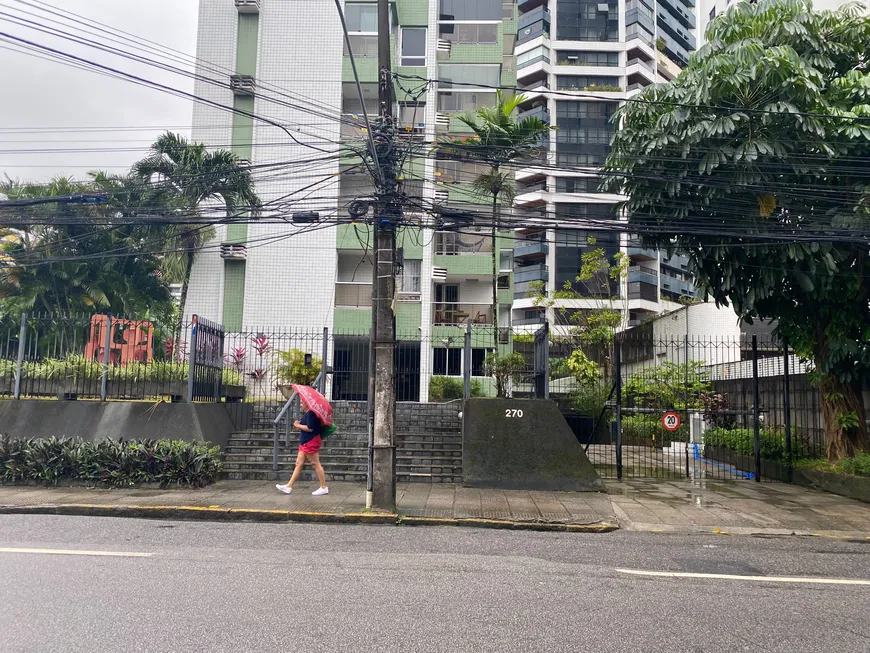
98,584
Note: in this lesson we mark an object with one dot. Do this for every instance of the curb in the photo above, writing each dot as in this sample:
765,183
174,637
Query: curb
215,513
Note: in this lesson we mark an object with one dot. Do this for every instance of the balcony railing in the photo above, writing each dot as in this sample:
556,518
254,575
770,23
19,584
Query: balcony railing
353,295
643,274
537,112
531,249
527,273
541,186
448,243
640,62
458,314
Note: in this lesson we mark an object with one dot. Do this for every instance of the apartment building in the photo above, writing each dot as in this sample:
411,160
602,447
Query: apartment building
577,60
285,68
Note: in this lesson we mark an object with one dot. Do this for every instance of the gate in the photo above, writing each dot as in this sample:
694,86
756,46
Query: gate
205,375
542,363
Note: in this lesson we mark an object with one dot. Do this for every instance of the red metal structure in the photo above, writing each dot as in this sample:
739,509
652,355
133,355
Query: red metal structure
129,341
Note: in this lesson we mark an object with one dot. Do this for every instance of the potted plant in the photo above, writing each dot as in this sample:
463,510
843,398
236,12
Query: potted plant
290,368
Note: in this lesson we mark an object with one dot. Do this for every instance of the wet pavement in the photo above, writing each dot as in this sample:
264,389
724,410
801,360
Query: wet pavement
736,507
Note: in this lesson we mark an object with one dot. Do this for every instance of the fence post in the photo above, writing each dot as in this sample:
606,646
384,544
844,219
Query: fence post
191,366
466,363
107,347
755,411
22,344
370,420
545,359
324,355
688,415
618,361
789,469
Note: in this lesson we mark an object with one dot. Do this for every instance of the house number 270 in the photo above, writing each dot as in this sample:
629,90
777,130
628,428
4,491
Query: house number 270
513,412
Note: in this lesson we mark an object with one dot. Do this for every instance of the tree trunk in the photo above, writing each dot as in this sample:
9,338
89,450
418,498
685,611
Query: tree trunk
185,285
843,399
494,273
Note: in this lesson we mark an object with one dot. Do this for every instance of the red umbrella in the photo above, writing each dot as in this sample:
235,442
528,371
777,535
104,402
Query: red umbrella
315,401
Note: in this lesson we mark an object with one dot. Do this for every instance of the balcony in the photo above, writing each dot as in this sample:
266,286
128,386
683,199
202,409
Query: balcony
530,321
532,17
642,253
644,291
683,39
542,113
678,11
353,295
643,274
248,6
538,187
457,314
678,287
526,273
243,85
525,6
531,250
449,243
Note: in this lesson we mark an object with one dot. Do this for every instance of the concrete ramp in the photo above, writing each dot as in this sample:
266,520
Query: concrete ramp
522,444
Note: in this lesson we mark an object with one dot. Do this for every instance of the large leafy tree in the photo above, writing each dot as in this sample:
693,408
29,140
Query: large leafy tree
754,163
498,139
66,258
185,178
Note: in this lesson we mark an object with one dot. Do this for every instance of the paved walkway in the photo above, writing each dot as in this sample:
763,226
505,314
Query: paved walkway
652,505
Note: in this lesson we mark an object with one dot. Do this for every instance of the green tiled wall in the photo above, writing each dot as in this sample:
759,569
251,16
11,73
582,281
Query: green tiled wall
413,12
234,295
246,51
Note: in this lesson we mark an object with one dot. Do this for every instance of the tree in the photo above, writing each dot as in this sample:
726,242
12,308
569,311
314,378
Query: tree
498,139
69,257
752,162
184,176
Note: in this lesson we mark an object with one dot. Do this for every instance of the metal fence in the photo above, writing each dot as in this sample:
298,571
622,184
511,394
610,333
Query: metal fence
44,355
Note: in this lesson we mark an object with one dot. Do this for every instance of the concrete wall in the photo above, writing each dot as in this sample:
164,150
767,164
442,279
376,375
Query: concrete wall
91,420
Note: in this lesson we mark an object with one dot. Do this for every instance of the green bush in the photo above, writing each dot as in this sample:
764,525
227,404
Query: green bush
79,368
109,462
445,388
857,466
742,441
649,427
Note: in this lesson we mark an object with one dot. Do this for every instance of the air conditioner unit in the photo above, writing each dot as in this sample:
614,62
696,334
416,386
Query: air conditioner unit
243,85
442,120
444,46
234,251
441,195
439,275
248,6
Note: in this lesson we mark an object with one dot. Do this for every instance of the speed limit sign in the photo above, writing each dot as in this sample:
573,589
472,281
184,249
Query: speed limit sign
671,421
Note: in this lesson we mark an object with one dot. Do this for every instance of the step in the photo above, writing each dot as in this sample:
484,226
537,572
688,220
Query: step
247,475
267,467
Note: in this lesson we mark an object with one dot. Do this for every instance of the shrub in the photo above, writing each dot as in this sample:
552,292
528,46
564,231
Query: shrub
649,428
109,462
858,466
445,388
742,441
291,367
505,370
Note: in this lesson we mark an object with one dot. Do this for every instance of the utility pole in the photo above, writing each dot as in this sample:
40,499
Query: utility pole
388,212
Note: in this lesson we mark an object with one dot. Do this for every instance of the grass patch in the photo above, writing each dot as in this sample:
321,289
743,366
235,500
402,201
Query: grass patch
857,466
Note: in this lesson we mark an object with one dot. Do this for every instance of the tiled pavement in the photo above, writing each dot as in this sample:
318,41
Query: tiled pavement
737,507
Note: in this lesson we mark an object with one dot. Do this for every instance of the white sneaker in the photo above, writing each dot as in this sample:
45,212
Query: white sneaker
319,492
284,488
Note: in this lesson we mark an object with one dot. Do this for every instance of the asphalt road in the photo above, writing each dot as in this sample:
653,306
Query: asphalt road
295,587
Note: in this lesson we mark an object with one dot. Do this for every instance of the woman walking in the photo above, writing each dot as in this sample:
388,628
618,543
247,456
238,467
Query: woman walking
310,429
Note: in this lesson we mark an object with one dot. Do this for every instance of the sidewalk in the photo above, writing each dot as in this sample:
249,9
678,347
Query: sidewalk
417,504
649,505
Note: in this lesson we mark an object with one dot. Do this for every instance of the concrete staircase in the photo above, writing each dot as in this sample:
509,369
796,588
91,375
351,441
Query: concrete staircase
428,437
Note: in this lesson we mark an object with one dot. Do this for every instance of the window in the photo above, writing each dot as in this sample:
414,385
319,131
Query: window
361,17
413,46
577,185
578,83
503,282
466,74
470,33
713,13
575,58
478,356
636,31
453,102
505,260
533,56
472,10
410,280
363,46
587,20
446,362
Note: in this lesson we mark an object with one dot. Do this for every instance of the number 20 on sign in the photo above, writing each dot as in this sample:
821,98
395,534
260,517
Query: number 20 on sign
671,421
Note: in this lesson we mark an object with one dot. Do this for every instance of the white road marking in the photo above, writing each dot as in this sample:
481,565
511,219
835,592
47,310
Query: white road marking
765,579
76,552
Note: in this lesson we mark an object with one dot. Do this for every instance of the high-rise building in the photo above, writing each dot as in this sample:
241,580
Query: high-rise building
577,61
284,67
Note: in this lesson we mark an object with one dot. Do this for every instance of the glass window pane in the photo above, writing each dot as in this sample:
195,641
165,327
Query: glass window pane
361,17
471,9
414,46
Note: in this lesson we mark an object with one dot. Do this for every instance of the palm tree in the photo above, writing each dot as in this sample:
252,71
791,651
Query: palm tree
498,139
182,176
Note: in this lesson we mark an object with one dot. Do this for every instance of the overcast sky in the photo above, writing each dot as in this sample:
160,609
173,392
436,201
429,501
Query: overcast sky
40,96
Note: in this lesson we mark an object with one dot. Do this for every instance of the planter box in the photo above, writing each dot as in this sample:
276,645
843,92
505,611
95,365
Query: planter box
854,487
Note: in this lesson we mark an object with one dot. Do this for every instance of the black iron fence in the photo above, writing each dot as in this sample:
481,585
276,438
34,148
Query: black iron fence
104,357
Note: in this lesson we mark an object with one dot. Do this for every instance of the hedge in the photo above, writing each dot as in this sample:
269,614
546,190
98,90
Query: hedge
643,427
114,463
742,441
80,368
445,388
